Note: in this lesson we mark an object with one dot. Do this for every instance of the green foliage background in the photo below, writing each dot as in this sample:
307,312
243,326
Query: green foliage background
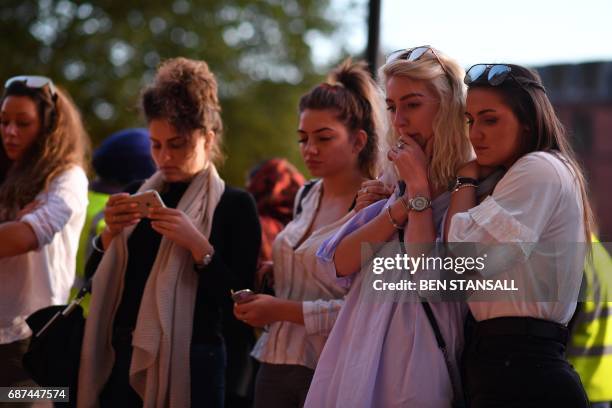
104,51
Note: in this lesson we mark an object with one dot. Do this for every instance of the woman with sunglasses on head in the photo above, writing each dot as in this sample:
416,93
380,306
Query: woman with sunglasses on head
155,332
383,350
339,126
43,198
516,355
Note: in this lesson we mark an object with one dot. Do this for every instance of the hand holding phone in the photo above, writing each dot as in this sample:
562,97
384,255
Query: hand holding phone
242,296
145,201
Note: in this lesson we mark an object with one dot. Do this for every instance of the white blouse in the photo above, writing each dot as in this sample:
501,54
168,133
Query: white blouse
44,276
537,201
299,275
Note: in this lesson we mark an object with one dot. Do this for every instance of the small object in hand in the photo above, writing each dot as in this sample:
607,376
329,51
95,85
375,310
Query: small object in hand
242,296
145,200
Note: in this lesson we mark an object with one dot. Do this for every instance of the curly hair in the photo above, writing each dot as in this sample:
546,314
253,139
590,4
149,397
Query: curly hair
62,143
184,92
351,92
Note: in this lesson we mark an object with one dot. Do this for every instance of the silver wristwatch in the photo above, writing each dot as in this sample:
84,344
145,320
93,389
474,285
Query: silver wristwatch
206,260
419,203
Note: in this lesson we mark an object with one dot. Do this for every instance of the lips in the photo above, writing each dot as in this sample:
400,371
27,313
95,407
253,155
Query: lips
312,163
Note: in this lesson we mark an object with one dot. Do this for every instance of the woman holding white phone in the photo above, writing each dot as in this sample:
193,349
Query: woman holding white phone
161,287
338,132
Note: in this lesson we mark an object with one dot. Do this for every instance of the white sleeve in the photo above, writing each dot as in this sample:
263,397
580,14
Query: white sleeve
66,195
519,209
320,315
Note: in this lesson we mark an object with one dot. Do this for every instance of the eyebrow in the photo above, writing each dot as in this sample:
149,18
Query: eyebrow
486,111
169,140
316,131
407,96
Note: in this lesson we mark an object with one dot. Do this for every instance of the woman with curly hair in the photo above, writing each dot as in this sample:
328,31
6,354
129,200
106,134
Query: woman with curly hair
43,198
154,335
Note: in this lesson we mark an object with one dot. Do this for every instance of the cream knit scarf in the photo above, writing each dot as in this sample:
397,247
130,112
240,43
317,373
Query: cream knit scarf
160,367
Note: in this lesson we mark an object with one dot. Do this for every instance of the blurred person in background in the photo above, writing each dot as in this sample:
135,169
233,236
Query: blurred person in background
340,124
43,198
589,348
122,158
274,184
154,335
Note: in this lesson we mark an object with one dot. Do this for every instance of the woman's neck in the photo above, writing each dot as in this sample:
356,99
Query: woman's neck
343,184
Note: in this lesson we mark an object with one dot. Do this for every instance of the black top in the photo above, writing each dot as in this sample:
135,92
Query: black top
236,237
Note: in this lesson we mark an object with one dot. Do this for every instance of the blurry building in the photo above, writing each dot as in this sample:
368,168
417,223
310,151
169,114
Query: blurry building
582,95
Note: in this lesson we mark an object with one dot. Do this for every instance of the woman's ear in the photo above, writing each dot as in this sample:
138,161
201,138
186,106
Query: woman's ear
209,138
361,139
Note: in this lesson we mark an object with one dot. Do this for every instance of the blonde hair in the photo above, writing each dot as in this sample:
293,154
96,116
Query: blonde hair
451,144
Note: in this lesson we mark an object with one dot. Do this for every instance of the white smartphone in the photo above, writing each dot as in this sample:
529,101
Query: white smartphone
146,200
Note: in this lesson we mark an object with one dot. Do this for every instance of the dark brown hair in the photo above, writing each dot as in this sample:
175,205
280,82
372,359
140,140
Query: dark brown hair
62,143
525,95
351,92
184,92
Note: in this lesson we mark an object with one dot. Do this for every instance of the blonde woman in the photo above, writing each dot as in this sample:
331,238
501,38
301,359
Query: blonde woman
384,352
43,198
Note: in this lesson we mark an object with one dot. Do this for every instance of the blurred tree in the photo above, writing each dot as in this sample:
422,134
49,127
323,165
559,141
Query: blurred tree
104,51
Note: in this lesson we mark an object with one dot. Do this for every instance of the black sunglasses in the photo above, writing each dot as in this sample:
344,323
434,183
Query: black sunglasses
413,54
33,81
496,74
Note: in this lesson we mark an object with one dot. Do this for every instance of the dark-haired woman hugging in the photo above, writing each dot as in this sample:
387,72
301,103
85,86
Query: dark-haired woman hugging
540,212
163,278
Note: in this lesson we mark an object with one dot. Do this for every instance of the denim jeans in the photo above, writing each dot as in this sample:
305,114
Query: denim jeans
208,363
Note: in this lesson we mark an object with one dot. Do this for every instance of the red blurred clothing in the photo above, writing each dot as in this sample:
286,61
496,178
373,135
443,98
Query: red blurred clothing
274,184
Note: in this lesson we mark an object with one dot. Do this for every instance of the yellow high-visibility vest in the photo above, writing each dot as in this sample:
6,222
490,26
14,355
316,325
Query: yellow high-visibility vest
94,225
590,345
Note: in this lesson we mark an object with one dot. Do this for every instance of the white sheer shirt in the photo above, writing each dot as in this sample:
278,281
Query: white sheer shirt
538,201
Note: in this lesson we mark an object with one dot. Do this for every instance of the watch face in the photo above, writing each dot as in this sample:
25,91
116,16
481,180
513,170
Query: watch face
419,203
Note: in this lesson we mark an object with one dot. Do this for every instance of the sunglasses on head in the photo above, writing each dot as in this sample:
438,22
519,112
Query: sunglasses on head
33,81
496,74
413,54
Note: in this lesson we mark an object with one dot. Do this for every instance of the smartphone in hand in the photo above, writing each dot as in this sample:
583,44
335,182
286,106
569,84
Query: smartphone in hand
146,200
242,296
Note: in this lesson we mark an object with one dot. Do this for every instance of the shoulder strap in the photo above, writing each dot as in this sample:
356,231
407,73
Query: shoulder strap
457,391
307,187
